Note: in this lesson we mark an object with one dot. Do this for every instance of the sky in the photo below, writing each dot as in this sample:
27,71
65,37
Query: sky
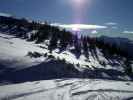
117,14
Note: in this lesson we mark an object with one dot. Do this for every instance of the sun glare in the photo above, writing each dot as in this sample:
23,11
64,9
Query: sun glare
79,8
79,2
75,29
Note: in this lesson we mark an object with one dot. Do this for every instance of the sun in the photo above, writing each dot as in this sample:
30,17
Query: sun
78,2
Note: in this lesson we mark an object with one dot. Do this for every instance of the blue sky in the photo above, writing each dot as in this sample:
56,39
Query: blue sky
98,12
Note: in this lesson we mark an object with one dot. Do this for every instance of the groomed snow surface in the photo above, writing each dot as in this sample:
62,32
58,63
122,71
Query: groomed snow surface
23,77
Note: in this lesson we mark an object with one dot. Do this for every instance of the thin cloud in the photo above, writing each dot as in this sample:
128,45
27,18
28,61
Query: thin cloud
80,26
114,27
5,14
111,23
128,32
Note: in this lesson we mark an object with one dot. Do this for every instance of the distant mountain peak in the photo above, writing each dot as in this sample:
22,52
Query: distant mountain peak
5,14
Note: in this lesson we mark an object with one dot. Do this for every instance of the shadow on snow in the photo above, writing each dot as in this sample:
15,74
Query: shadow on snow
54,69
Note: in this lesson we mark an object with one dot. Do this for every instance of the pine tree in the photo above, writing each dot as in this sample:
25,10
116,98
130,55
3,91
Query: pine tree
77,45
65,39
54,38
128,66
43,33
85,46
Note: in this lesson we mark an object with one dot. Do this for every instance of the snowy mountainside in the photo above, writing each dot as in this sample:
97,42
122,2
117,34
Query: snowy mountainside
19,55
33,69
49,79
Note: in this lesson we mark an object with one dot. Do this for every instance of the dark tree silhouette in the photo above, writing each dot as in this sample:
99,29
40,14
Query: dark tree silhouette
85,46
65,39
128,66
43,33
54,38
77,44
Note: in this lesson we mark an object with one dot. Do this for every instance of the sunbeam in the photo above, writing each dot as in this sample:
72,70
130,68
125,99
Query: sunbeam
79,8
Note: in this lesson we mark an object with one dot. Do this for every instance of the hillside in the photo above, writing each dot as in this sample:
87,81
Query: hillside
57,68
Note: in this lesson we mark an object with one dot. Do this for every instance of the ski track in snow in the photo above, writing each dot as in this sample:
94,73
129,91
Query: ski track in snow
68,89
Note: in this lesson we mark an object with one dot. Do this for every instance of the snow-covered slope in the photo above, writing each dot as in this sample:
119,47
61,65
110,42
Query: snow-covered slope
19,54
40,75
